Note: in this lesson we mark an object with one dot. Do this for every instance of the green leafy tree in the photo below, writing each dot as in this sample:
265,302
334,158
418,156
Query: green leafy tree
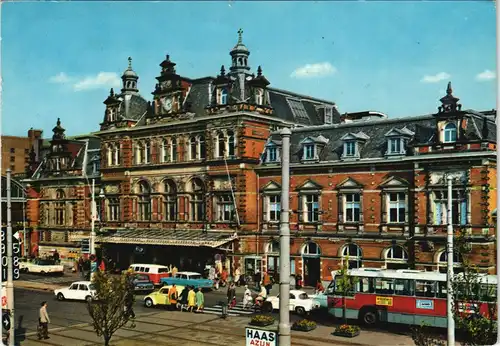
109,310
344,285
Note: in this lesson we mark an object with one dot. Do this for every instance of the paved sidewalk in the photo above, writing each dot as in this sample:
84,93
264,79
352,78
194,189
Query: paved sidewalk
174,328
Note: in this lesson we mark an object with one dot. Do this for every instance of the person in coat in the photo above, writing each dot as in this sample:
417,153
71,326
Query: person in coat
266,281
44,321
200,300
183,299
247,298
173,296
231,295
191,299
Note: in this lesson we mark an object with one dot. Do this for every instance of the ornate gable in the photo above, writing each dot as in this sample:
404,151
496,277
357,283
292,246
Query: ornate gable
271,186
349,183
309,185
394,182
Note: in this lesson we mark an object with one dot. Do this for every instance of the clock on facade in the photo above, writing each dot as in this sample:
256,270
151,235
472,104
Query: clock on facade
167,104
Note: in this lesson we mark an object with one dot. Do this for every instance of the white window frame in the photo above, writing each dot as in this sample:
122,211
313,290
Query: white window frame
147,152
447,132
272,205
389,256
348,145
357,258
110,155
223,96
309,148
308,199
193,143
398,142
352,203
441,214
139,152
328,115
390,204
169,201
220,141
225,208
306,250
269,149
259,96
165,151
442,261
113,212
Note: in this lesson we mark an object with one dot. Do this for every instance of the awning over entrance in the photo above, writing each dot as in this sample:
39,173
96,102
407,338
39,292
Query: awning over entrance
148,236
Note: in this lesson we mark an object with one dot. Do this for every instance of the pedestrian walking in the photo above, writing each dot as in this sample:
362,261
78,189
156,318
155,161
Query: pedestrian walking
231,295
191,299
247,298
183,299
266,281
237,276
200,300
44,321
223,276
173,297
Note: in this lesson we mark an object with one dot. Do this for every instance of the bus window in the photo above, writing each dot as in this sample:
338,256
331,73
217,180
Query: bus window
442,289
384,286
338,286
404,287
425,288
364,285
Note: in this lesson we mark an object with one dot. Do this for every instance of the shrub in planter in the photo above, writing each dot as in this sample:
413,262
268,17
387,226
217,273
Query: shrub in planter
304,325
347,331
262,320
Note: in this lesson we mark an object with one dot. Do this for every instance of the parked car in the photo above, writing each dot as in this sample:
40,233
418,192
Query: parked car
300,302
188,279
141,283
160,297
321,299
154,271
79,290
41,266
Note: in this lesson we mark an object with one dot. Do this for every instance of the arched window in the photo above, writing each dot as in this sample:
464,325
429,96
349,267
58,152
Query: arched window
311,249
144,201
223,96
197,200
173,147
457,262
193,150
221,145
259,96
273,247
352,251
396,257
273,259
203,148
60,208
450,133
231,143
169,201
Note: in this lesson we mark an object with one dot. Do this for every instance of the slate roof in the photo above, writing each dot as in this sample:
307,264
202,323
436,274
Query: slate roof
375,146
132,107
177,237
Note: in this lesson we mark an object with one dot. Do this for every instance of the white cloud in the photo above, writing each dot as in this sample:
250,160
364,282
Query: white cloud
60,78
101,80
314,70
435,78
486,75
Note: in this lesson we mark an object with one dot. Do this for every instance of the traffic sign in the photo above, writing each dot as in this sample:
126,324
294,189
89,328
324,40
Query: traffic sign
6,321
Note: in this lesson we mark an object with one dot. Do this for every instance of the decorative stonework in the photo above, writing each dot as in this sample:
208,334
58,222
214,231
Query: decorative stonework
111,189
440,177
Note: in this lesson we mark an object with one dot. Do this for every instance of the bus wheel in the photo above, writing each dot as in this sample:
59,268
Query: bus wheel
369,317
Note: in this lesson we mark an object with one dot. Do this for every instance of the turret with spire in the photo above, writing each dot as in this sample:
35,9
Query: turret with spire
449,103
129,79
239,55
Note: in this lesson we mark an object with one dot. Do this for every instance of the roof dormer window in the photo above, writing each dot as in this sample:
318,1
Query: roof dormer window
223,96
396,141
312,146
350,149
450,133
328,115
259,97
272,152
309,151
352,143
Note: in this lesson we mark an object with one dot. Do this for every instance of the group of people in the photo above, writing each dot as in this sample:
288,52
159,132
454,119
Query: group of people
190,299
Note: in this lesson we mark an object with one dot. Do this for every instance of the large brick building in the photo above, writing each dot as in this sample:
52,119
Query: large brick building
17,152
178,172
374,189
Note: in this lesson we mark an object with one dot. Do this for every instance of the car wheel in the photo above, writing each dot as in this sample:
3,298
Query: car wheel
60,297
300,310
369,317
88,299
149,303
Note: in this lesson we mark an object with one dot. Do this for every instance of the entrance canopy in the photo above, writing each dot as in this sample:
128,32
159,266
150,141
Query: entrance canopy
152,236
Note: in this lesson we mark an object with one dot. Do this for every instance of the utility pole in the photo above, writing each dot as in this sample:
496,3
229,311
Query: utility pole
449,276
10,274
498,160
92,221
285,338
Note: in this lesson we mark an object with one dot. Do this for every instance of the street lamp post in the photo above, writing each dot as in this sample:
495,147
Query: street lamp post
449,272
284,302
92,222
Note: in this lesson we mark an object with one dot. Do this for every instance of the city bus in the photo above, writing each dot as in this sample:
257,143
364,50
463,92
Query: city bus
401,296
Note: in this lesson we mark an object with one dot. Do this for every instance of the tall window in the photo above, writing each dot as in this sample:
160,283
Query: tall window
60,208
203,147
259,96
353,252
113,209
223,96
350,148
231,143
110,155
197,200
165,151
310,208
272,153
173,153
139,153
193,148
450,133
394,145
352,207
272,208
225,208
397,207
144,201
170,201
147,152
116,154
328,115
309,151
458,207
221,144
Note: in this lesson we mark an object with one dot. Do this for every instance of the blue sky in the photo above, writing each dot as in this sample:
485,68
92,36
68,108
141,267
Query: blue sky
59,59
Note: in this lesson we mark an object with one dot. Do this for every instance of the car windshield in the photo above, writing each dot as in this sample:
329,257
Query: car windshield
91,287
46,262
303,296
194,277
142,277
